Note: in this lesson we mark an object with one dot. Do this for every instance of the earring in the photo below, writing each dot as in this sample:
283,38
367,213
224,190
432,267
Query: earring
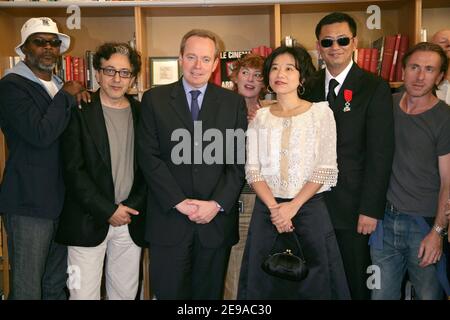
269,89
301,89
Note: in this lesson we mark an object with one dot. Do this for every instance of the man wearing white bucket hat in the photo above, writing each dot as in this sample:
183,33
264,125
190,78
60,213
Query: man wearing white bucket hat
34,111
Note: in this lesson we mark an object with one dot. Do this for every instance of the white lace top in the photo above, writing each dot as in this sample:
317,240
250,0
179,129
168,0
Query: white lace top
287,152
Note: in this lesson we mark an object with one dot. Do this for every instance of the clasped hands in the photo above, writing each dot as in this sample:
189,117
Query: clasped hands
198,211
281,215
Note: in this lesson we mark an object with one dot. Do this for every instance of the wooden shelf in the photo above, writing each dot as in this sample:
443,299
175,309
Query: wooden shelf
435,4
340,6
208,11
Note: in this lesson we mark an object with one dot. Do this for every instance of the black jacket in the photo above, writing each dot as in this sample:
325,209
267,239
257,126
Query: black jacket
365,147
164,110
89,201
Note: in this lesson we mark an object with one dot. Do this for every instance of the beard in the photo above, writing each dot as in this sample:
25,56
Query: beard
38,63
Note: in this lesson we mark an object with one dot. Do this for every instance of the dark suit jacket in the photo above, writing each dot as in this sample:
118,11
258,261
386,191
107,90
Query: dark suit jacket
164,110
32,123
89,201
365,147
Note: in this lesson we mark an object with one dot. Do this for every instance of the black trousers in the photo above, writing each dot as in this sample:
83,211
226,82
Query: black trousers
355,254
188,271
326,278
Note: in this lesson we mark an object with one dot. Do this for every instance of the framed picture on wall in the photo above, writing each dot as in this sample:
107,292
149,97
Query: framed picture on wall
163,70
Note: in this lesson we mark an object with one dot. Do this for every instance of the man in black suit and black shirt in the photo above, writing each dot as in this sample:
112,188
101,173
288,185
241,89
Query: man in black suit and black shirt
192,203
362,106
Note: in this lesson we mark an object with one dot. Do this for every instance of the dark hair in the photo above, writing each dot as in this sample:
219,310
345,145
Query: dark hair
429,47
336,17
303,63
202,34
106,50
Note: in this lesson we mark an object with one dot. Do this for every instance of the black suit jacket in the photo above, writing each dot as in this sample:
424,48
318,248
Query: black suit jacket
164,110
365,147
89,201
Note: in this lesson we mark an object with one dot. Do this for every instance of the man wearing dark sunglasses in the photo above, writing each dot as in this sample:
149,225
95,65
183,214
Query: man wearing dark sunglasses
34,111
362,106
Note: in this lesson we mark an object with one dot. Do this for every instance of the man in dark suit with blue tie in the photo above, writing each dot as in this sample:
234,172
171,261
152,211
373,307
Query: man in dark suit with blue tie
192,217
362,106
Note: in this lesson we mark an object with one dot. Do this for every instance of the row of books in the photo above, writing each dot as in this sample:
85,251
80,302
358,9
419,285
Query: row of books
367,59
69,68
385,56
81,69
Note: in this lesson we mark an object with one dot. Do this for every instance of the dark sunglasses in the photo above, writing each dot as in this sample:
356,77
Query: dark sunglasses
39,42
326,43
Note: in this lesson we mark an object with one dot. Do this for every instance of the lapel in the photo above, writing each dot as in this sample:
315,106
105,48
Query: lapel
179,104
352,82
95,122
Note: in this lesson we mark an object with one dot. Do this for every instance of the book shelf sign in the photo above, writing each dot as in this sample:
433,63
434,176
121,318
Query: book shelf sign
163,70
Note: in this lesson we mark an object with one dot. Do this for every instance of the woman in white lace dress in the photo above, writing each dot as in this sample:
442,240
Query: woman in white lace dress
291,161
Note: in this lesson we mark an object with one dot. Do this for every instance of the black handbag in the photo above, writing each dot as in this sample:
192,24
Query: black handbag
285,264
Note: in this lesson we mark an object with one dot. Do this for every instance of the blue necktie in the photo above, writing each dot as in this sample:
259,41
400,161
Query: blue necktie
195,109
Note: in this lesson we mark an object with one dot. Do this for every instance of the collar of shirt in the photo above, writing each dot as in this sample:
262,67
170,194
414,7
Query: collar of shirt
340,78
188,89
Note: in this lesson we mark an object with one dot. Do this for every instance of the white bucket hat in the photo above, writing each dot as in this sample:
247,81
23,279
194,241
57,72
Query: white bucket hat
42,25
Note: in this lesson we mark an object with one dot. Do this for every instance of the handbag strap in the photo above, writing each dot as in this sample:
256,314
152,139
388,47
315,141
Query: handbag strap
296,241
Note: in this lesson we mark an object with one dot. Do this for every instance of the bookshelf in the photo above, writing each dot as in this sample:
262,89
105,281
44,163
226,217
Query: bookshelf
158,25
241,24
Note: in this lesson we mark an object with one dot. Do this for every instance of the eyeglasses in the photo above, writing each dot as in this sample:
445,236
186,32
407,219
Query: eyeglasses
39,42
258,76
124,73
326,43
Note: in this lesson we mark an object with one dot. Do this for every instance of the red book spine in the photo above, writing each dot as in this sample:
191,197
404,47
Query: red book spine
394,59
388,54
68,60
82,71
404,45
76,70
366,58
374,55
360,58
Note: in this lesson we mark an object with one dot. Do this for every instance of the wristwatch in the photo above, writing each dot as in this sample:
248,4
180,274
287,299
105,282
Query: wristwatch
442,231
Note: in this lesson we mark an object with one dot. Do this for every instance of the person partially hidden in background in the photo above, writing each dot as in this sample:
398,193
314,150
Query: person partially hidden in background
442,39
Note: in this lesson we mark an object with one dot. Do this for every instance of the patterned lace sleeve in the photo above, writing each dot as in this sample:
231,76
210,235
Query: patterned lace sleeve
252,165
325,171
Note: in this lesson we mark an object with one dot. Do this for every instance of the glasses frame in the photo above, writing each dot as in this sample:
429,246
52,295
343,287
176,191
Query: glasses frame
40,42
338,41
117,72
